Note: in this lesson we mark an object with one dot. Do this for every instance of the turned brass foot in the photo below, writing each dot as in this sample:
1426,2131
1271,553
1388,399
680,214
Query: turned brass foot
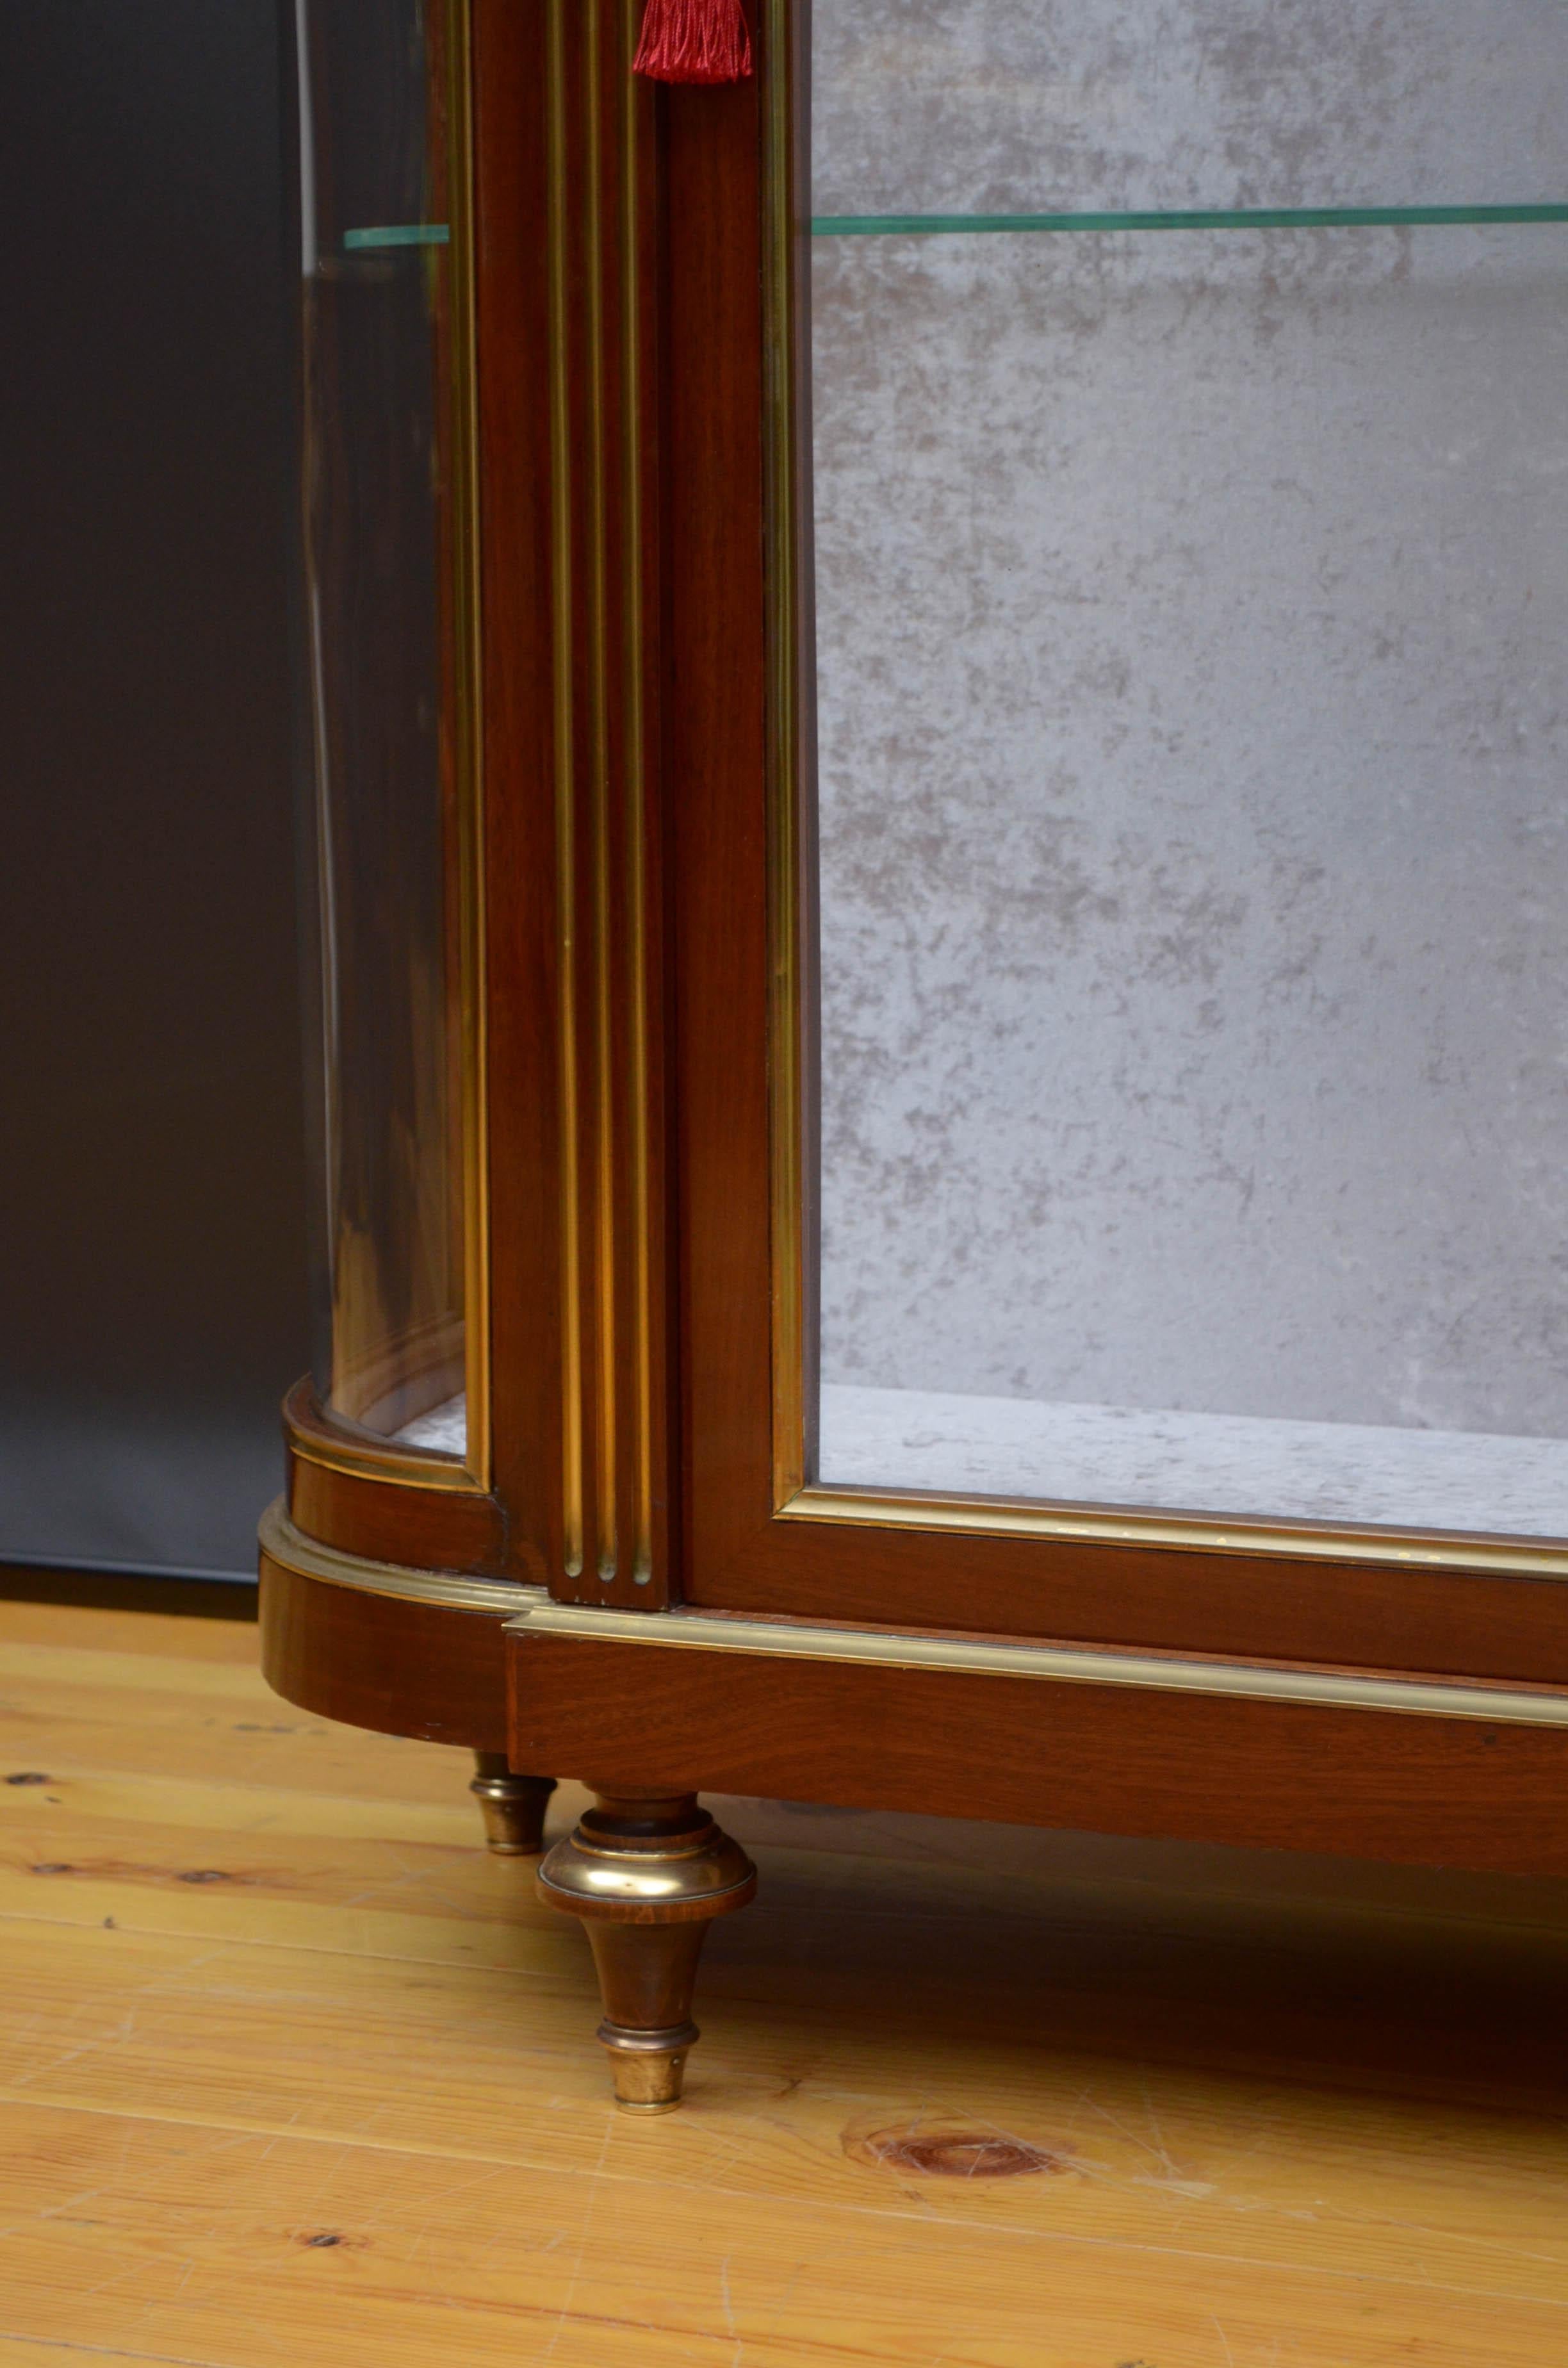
512,1807
647,1873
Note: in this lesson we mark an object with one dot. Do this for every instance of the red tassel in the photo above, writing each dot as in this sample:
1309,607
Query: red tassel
694,40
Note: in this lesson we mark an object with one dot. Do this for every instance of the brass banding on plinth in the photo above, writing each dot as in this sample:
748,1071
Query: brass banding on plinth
1495,1704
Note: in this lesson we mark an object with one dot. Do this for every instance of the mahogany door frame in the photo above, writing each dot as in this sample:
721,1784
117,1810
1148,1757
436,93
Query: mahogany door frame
753,1539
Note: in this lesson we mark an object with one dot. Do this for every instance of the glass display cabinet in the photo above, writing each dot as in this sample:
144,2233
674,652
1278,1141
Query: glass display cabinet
937,668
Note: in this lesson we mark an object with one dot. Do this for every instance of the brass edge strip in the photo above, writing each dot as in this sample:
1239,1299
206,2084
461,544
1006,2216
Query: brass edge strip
565,834
635,103
794,1498
606,1511
470,771
1142,1672
292,1550
395,1467
786,978
979,1517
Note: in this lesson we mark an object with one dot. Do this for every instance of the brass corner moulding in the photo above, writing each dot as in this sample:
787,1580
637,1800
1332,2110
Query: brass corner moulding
1113,1525
797,1497
784,289
283,1543
313,1437
468,717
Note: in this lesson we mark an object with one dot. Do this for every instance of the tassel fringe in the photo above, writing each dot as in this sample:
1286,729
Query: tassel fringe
694,40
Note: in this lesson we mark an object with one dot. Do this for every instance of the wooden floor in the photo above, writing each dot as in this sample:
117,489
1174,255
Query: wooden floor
294,2073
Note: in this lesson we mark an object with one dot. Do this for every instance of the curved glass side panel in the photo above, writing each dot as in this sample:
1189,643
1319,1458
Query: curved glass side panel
387,635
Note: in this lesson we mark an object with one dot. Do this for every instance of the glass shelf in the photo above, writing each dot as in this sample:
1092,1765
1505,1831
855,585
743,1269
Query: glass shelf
1240,217
397,234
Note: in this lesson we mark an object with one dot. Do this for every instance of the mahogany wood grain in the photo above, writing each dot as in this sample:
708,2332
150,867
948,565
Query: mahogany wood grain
1096,1759
716,734
512,305
1452,1623
377,1661
433,1529
384,1519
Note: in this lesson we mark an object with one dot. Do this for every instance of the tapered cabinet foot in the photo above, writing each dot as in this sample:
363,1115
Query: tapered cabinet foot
513,1807
647,1873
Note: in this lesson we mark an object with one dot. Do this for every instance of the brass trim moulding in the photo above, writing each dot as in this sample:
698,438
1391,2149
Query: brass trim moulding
1056,1664
786,225
634,313
468,720
1109,1524
313,1437
281,1543
562,596
786,363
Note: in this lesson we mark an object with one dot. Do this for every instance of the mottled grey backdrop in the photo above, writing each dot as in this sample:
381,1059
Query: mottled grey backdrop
1191,634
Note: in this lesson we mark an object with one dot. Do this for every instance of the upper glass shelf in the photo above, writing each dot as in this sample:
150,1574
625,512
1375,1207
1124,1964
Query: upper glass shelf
1238,217
397,234
1058,114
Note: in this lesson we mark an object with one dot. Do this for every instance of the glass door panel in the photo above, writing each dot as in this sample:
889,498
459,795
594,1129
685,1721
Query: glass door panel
386,554
1191,600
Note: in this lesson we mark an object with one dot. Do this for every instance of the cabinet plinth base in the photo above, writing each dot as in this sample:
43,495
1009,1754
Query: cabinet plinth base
647,1873
513,1806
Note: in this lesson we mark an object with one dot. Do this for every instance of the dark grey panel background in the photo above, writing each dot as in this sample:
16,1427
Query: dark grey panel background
153,1257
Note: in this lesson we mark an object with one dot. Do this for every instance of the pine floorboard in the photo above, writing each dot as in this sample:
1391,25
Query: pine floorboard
290,2070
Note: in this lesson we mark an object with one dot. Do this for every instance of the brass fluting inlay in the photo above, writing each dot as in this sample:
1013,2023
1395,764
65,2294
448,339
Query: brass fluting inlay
606,1518
636,103
566,816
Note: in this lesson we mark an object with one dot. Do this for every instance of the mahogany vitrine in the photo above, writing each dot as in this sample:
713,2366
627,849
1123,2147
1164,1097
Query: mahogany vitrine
940,853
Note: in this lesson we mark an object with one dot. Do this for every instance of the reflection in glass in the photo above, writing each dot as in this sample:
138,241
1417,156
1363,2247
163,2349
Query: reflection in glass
384,654
1191,606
